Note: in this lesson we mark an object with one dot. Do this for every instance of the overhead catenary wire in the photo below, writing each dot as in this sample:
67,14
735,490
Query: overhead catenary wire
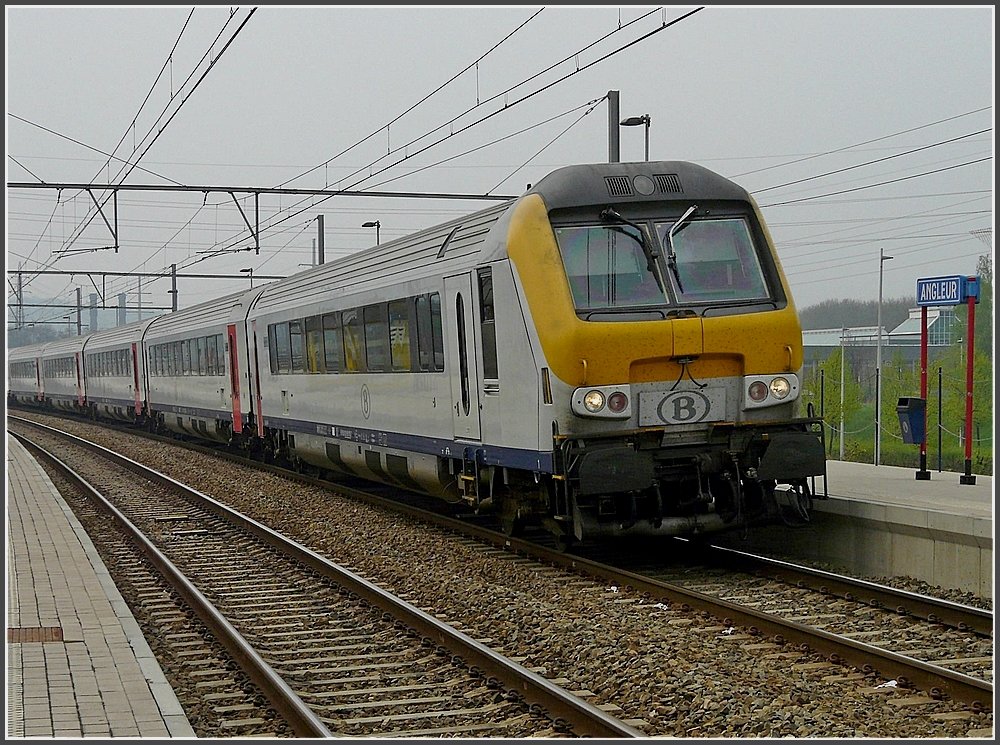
873,162
881,183
133,166
239,238
426,97
812,198
866,142
235,240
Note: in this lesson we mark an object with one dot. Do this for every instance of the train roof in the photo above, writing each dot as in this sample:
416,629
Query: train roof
26,352
215,312
436,250
64,347
116,336
601,183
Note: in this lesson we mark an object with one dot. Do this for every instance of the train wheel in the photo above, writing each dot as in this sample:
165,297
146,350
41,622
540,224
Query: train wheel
561,534
511,522
564,542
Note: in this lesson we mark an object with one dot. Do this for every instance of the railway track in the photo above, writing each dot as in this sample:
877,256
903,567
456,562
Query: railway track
759,629
943,648
332,652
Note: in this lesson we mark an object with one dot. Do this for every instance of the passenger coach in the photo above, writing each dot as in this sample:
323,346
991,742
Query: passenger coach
616,352
115,372
199,372
63,382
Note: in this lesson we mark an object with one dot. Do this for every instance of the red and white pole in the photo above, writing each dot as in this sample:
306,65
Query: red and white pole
968,478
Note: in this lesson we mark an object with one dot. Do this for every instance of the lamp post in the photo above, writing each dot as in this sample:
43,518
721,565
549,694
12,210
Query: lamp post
882,258
373,224
635,121
249,271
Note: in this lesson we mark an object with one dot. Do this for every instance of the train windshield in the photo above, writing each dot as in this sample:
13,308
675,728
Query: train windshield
716,261
607,267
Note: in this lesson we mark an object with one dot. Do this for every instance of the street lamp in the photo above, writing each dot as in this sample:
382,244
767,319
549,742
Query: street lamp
635,121
882,258
249,271
373,224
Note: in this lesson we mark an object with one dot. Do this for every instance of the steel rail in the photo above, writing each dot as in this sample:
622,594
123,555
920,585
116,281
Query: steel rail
935,610
303,721
583,717
936,680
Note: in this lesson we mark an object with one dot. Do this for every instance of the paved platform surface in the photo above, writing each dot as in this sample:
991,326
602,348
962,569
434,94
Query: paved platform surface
899,486
77,663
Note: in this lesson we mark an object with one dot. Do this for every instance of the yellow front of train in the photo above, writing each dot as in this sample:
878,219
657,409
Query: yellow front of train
674,356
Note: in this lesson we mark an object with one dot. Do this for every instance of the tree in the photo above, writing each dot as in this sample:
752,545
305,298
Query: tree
828,400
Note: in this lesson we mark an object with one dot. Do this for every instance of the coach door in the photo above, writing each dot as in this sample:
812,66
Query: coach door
79,379
459,319
135,378
234,377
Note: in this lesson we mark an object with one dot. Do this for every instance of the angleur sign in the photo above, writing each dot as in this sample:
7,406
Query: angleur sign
951,290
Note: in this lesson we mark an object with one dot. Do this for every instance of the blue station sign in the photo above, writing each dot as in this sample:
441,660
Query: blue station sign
944,290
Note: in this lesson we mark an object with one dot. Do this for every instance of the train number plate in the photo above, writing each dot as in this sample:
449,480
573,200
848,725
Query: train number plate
682,406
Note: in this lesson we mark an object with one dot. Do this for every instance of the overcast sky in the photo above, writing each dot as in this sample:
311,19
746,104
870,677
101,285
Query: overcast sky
856,129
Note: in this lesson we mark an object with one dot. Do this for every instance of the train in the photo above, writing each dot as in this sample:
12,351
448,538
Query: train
614,353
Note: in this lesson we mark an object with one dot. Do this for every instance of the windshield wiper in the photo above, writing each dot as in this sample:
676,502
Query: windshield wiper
671,254
610,215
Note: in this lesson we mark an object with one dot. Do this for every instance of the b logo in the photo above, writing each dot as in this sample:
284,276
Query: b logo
684,407
366,402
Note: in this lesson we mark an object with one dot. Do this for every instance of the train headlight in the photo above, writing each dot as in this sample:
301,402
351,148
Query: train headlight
603,402
780,388
760,391
594,401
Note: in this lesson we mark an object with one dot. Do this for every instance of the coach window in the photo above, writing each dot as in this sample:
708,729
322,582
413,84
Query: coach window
333,344
186,356
210,355
487,322
297,345
220,351
354,341
425,346
176,366
436,331
272,347
315,356
202,356
283,347
377,337
399,335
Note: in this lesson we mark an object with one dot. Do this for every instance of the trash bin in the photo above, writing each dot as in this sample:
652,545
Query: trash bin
911,419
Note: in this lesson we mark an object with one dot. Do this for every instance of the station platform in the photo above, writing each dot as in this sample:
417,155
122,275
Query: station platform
892,485
77,663
880,521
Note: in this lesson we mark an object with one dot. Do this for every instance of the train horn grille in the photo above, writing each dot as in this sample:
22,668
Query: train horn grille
669,183
619,186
